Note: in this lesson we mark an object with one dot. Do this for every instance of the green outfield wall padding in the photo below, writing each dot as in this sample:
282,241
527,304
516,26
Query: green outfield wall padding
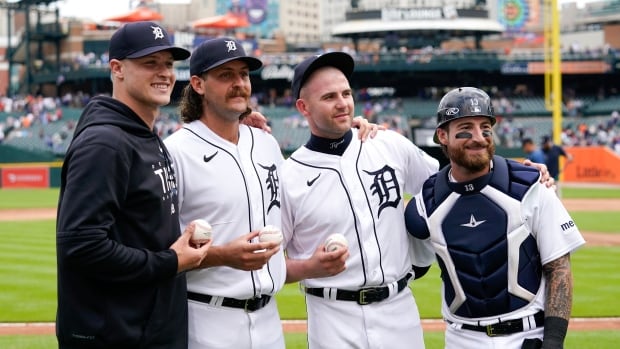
10,154
55,176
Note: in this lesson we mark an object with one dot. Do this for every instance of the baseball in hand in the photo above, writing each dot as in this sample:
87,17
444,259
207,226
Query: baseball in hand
202,231
335,241
270,233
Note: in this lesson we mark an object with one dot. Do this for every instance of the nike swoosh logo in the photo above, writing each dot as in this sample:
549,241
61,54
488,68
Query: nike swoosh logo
311,182
208,158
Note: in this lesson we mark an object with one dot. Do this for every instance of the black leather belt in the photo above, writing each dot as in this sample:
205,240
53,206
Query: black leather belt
363,296
249,305
506,327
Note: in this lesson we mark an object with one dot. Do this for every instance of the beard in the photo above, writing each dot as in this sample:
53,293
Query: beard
473,163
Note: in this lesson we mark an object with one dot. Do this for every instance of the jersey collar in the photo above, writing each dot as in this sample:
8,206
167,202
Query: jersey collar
469,187
330,146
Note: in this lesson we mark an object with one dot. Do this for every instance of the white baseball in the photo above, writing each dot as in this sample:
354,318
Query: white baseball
335,241
270,233
202,231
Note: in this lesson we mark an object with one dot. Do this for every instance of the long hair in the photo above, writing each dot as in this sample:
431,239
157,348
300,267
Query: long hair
190,107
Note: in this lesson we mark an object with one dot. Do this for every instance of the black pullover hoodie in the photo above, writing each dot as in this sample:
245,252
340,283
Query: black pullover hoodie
118,285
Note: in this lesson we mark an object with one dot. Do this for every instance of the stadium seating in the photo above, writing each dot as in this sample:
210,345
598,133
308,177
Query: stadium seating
420,108
603,107
530,117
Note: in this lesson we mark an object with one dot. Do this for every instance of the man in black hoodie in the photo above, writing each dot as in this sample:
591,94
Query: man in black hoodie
121,254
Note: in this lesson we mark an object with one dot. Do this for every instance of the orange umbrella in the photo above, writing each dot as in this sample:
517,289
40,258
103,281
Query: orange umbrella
227,21
136,15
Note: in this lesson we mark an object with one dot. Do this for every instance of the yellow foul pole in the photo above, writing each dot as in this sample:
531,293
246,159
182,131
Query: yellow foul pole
553,69
547,49
556,69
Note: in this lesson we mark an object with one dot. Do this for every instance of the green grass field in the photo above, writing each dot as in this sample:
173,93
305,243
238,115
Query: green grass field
28,276
433,340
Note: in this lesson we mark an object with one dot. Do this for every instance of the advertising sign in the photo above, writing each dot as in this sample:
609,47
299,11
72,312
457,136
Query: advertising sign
25,177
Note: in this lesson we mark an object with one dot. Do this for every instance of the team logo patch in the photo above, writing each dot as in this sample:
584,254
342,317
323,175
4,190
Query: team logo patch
335,145
385,187
158,33
273,185
231,45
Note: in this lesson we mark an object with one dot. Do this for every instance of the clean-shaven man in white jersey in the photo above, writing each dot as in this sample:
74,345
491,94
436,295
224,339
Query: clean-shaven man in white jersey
356,297
228,174
503,241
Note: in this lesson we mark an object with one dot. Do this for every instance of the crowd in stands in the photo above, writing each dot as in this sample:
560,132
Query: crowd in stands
29,117
167,123
510,130
39,119
576,131
605,133
409,54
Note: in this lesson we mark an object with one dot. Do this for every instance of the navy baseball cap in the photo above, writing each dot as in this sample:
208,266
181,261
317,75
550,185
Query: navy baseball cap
340,60
215,52
139,39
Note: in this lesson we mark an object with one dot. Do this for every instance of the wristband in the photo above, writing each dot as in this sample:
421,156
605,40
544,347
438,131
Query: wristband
555,332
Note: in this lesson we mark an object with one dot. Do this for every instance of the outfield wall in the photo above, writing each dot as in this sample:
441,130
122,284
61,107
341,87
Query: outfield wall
30,175
590,165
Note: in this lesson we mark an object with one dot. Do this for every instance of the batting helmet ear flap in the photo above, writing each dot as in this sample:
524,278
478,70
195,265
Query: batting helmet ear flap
463,102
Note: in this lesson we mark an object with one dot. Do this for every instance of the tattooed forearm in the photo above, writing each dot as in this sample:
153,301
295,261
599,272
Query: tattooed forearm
559,289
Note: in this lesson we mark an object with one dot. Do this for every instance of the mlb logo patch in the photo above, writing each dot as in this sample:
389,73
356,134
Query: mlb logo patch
474,106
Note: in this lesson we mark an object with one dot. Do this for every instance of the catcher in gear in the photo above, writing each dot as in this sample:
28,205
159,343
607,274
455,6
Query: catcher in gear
502,239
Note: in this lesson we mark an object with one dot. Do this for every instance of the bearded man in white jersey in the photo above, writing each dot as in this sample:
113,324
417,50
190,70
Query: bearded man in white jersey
356,297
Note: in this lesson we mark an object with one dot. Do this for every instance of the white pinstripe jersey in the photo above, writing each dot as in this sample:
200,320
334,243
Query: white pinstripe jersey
358,194
236,189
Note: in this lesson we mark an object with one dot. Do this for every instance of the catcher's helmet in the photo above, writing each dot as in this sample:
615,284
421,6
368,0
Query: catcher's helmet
463,102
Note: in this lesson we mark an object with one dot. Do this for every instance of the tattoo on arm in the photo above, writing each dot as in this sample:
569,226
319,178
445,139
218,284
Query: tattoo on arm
559,288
